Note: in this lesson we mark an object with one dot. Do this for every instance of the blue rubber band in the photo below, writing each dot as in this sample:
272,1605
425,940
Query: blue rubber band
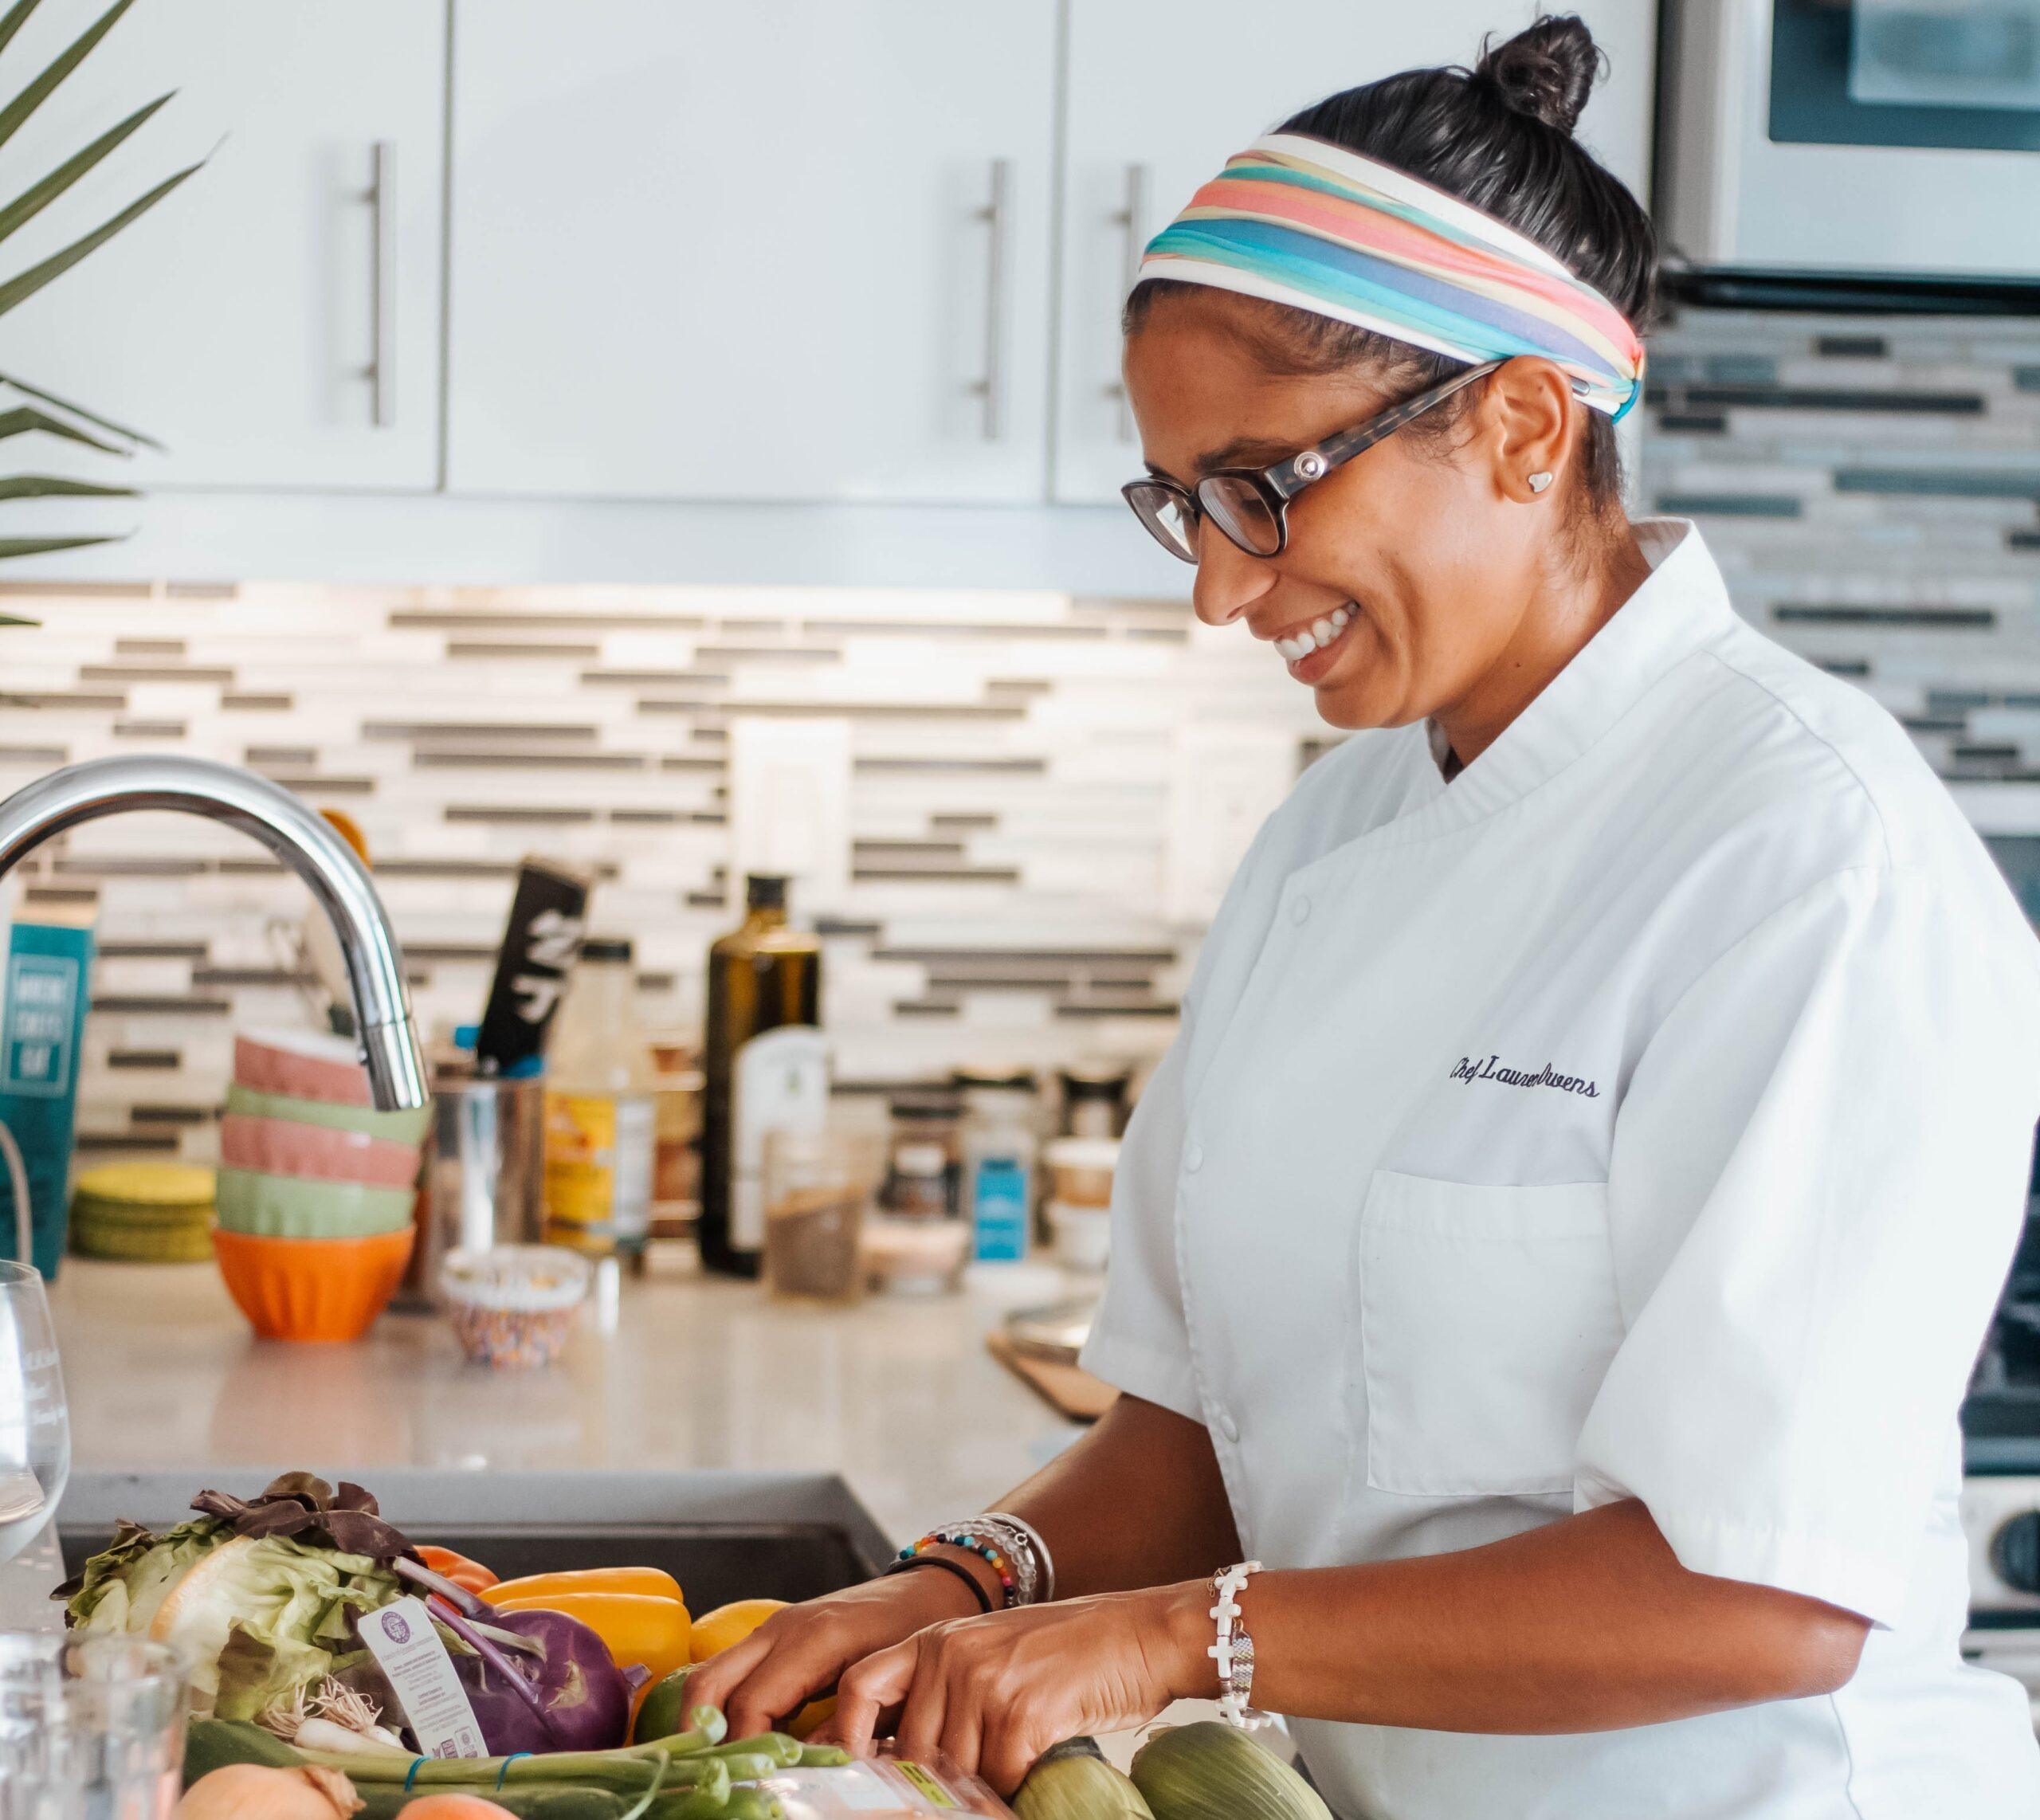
410,1775
505,1770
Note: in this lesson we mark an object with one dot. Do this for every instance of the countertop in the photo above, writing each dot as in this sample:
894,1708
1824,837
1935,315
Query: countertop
898,1395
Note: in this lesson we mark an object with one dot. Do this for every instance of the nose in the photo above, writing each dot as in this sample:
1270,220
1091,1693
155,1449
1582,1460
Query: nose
1228,580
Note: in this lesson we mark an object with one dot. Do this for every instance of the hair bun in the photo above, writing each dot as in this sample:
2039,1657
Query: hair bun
1546,72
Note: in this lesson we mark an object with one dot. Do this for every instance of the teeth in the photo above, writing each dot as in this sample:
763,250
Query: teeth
1314,637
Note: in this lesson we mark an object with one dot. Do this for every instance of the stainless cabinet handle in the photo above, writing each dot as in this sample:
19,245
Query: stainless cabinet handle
996,215
380,197
1132,213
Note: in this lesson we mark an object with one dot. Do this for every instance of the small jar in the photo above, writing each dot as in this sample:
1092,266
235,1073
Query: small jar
515,1306
918,1185
1080,1170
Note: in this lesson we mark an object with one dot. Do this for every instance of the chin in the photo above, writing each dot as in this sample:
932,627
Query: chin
1357,706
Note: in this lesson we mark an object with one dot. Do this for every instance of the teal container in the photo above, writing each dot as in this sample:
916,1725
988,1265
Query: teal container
43,1000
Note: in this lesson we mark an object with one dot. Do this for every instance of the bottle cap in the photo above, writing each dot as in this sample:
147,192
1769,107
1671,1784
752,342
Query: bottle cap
765,890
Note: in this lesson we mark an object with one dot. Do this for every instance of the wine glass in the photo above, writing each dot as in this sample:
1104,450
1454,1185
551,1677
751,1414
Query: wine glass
35,1432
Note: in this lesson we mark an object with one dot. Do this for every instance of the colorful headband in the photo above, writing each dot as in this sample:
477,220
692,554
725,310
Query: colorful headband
1297,222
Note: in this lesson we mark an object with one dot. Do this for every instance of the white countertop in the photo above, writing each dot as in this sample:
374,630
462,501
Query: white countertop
898,1395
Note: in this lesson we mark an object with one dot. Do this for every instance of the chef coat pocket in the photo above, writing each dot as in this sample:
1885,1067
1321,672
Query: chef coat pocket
1487,1319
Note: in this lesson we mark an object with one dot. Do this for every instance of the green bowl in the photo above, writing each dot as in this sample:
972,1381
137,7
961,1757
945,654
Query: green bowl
296,1206
401,1128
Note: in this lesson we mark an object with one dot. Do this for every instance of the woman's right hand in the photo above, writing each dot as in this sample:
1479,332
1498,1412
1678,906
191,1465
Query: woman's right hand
796,1655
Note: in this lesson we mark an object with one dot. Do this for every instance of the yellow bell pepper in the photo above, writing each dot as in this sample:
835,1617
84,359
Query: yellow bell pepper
638,1627
716,1630
654,1581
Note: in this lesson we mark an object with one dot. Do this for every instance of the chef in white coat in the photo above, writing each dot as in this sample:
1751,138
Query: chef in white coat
1557,1246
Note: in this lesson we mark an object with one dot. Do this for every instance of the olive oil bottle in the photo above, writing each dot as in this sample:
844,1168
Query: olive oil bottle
765,1064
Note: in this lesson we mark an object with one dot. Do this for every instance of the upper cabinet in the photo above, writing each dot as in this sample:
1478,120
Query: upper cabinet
275,321
791,249
1157,100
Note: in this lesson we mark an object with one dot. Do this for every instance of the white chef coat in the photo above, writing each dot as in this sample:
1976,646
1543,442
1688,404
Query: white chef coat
1644,1114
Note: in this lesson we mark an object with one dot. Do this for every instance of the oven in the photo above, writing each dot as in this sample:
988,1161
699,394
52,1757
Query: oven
1864,139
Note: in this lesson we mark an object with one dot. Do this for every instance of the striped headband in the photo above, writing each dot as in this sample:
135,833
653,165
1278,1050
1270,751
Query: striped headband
1298,221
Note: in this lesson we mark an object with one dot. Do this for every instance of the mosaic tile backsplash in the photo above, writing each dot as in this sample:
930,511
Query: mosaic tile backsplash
1872,489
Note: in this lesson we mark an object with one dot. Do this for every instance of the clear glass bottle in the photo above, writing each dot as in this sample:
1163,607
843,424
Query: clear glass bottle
601,1114
764,1065
1000,1142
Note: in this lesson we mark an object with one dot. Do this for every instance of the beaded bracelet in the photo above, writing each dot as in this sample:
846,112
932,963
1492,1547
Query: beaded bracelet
959,1539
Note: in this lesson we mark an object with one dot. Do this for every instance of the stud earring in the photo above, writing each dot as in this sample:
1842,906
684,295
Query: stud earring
1538,482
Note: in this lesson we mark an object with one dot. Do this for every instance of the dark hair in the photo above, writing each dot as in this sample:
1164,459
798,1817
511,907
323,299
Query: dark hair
1499,136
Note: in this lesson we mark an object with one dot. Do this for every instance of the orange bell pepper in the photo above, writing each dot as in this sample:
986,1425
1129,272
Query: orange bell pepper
471,1576
638,1627
654,1581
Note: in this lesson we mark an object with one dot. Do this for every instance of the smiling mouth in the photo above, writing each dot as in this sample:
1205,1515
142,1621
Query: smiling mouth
1320,635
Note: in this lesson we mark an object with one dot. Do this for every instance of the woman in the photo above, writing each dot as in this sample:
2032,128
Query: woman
1557,1243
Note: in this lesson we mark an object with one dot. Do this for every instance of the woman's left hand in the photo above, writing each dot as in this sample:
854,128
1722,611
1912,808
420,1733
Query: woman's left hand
992,1693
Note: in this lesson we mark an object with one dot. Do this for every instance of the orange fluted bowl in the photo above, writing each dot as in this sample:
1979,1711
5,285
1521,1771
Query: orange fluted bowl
312,1288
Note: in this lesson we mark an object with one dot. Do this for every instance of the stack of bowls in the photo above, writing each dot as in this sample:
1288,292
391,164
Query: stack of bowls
316,1188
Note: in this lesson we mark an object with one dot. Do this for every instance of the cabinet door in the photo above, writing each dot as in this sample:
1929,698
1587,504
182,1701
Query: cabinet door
1156,104
237,322
791,249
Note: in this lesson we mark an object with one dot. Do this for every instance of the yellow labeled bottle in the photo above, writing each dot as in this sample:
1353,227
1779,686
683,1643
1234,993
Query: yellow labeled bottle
599,1110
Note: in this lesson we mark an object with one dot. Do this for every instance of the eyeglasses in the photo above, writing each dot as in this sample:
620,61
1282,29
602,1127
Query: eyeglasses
1251,505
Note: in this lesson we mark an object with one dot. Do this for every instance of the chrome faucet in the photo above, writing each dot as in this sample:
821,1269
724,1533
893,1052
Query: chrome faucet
303,840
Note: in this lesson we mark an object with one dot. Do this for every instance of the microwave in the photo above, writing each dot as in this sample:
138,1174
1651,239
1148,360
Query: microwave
1896,139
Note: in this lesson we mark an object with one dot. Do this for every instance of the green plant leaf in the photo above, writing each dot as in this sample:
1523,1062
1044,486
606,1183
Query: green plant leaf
39,91
17,17
52,486
11,546
65,405
23,419
38,197
24,284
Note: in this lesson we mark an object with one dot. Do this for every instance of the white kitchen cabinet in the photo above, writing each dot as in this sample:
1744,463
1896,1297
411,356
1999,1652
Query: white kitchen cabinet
1156,102
791,249
239,321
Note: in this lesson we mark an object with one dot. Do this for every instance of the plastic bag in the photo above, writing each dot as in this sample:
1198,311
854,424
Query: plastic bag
884,1785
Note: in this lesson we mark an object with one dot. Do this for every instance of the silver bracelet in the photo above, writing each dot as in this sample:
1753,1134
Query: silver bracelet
1031,1537
1001,1536
1233,1650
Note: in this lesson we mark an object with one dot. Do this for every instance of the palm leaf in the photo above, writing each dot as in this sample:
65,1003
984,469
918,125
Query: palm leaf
24,284
43,546
65,405
14,619
39,91
52,486
17,17
38,197
24,418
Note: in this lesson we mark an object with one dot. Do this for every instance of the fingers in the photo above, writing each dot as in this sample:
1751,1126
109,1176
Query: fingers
868,1690
712,1681
1007,1755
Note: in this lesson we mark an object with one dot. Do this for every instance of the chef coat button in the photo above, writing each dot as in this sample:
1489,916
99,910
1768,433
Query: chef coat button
1300,910
1192,1159
1228,1428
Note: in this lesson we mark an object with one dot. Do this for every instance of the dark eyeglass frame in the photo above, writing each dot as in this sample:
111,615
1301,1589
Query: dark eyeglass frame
1276,485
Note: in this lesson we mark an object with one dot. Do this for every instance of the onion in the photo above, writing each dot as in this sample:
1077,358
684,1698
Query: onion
252,1791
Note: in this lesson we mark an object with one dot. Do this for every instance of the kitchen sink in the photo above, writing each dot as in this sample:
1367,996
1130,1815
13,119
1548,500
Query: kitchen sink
722,1535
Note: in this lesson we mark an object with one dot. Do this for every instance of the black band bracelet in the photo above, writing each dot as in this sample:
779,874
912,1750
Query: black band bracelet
957,1567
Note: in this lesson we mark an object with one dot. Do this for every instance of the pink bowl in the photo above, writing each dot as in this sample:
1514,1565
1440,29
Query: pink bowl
308,1065
283,1147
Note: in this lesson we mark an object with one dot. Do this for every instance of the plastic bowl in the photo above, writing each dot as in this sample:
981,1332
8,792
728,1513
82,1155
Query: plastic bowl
310,1065
290,1207
515,1306
398,1128
319,1153
326,1289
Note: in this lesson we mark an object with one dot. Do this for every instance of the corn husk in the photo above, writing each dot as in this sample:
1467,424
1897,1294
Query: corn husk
1073,1782
1210,1771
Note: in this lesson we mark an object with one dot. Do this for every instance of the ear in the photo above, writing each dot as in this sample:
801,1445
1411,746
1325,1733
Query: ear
1529,428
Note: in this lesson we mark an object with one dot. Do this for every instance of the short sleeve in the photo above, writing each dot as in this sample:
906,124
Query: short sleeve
1818,1173
1139,1342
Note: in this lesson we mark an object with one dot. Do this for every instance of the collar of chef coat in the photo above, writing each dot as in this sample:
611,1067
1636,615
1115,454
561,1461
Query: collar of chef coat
1682,606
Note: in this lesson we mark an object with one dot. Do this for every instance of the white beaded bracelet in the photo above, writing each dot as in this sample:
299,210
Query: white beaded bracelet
1233,1650
1032,1536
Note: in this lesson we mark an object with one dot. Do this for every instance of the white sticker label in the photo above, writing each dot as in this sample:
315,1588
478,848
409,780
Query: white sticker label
408,1650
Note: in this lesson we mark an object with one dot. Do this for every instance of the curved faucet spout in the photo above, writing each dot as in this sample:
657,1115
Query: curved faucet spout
300,839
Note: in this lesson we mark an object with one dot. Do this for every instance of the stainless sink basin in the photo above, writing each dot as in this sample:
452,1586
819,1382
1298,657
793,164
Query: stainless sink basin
722,1535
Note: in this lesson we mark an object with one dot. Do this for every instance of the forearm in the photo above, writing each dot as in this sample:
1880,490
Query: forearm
1138,1501
1588,1624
